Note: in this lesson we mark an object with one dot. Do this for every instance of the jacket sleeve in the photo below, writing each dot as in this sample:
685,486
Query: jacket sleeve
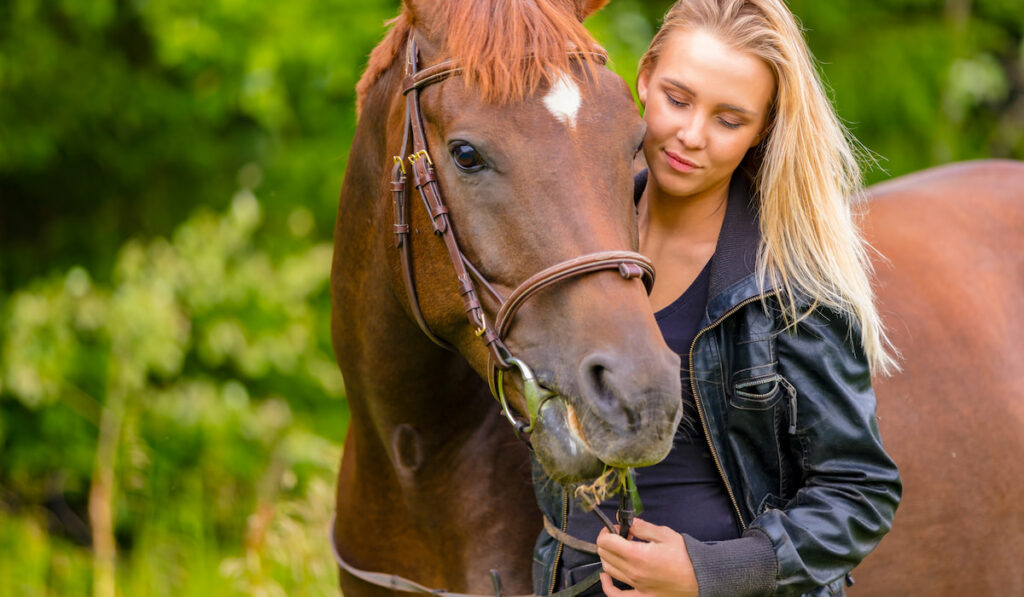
849,488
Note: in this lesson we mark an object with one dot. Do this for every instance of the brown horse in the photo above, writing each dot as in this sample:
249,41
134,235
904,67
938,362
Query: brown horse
433,484
951,290
532,145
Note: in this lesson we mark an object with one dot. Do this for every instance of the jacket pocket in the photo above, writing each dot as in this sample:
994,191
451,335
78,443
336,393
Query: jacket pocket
757,393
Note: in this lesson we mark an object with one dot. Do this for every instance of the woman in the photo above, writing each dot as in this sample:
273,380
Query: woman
777,482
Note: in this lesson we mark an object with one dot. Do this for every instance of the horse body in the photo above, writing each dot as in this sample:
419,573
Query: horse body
950,290
435,487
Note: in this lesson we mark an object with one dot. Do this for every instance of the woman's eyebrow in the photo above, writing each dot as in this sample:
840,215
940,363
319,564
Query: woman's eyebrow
731,107
680,85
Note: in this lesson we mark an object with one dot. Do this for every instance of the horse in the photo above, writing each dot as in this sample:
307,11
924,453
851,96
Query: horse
950,288
434,485
520,144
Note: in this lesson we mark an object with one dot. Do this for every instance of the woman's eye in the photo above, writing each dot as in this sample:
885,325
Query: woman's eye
675,102
466,157
730,125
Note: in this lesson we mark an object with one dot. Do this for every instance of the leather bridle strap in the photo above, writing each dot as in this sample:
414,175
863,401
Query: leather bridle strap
402,234
425,180
629,265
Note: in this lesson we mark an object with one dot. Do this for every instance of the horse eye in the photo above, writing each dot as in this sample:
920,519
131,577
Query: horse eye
466,157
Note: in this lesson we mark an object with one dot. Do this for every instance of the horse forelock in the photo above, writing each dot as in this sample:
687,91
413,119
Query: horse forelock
506,48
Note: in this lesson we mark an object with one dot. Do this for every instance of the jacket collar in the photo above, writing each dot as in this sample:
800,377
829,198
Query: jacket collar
732,274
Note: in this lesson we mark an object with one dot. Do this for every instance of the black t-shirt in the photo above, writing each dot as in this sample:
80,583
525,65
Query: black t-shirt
684,491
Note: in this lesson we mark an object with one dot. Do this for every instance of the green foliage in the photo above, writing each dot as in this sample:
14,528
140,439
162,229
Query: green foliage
923,82
217,347
121,116
168,180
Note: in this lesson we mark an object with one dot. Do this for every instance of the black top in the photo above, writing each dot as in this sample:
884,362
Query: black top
684,491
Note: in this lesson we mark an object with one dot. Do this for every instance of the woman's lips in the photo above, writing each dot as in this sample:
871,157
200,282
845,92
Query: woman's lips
679,163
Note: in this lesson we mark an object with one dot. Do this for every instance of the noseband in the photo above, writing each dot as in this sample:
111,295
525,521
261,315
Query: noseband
628,263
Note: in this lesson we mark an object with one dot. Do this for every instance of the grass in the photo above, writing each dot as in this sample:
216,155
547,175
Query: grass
284,551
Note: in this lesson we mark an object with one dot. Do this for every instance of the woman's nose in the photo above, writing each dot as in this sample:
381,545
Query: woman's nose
692,134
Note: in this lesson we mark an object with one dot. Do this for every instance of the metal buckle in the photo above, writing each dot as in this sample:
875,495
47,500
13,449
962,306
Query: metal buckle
421,154
483,324
400,163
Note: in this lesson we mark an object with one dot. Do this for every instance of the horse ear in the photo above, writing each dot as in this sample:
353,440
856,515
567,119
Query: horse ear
423,15
420,12
585,8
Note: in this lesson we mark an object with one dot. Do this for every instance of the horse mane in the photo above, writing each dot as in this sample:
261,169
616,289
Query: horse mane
506,48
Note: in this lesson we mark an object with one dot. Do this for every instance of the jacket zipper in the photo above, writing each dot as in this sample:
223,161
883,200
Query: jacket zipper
558,552
700,409
792,404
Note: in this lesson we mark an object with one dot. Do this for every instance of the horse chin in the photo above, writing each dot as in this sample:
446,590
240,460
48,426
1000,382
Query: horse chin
559,447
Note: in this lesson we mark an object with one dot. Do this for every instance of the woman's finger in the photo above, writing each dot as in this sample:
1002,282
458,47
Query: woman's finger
615,572
646,531
616,559
610,589
613,543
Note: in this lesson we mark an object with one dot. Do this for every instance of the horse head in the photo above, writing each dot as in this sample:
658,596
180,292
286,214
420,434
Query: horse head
531,141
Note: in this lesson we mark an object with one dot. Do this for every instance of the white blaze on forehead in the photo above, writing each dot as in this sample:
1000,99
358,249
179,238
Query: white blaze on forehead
563,100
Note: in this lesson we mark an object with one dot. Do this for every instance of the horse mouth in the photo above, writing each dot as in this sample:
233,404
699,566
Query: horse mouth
560,445
572,451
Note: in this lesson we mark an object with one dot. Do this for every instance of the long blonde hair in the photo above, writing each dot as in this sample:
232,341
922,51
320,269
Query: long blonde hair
806,171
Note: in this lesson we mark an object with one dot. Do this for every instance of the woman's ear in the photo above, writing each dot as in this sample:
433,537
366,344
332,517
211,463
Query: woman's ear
642,81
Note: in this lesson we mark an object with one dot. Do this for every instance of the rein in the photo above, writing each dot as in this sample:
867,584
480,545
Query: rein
629,264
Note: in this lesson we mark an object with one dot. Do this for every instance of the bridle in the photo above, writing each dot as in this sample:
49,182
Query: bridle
628,263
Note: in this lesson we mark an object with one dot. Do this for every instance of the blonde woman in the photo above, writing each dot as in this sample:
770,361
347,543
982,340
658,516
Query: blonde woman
777,483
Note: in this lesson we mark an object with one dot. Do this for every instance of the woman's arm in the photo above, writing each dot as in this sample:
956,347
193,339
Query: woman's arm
850,487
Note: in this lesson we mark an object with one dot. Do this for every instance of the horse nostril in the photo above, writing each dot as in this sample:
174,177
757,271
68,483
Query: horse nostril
598,386
600,389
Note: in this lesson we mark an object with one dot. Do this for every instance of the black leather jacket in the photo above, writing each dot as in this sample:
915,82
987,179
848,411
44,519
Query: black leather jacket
789,415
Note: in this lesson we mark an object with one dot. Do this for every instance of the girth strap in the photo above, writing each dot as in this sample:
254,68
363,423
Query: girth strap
399,583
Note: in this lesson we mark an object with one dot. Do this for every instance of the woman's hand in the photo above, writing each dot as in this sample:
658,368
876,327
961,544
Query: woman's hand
659,567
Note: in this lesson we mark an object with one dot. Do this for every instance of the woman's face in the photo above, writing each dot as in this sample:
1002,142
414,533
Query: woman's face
705,104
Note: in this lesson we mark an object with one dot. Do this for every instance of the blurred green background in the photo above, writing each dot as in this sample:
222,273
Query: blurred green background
168,179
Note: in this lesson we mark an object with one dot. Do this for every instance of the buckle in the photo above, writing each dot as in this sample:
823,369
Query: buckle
421,154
